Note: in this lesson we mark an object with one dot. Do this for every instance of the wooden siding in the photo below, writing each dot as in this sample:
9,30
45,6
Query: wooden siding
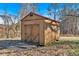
51,33
39,30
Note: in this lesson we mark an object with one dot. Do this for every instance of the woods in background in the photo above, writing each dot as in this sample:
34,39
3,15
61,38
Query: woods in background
66,13
12,24
70,19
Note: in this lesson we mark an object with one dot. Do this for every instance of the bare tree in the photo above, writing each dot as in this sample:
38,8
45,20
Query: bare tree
53,10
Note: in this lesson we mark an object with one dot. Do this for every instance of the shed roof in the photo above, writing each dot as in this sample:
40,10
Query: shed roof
40,16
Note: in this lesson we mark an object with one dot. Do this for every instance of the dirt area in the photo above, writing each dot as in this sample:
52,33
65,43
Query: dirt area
11,47
43,51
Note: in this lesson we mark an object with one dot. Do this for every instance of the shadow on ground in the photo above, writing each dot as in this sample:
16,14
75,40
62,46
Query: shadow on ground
4,44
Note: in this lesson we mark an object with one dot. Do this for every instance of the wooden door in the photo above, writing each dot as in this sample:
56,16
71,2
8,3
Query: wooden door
32,33
35,33
28,33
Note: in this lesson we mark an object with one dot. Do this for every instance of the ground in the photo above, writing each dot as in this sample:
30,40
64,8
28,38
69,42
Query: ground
66,46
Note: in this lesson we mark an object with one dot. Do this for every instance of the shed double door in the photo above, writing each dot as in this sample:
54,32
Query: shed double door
32,33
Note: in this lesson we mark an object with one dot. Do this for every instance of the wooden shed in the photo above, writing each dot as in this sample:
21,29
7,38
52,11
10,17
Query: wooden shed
38,29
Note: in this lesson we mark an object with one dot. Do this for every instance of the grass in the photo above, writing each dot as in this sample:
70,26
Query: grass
72,46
